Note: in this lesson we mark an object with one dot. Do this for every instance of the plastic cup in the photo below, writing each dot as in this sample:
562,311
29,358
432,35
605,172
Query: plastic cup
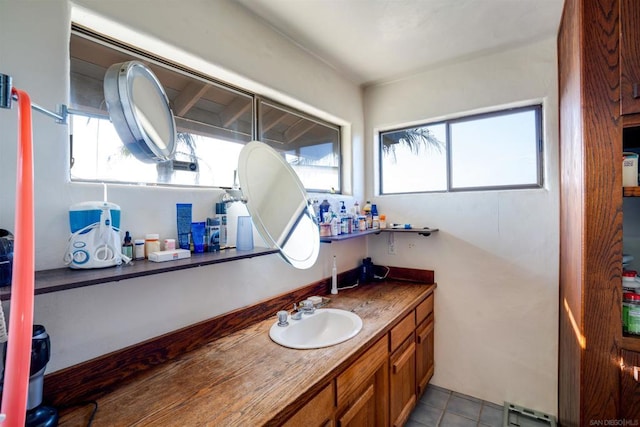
244,237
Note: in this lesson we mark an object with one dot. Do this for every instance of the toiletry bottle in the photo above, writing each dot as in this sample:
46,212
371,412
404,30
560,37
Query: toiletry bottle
344,219
138,249
325,207
151,244
375,219
354,216
366,210
335,225
127,246
221,216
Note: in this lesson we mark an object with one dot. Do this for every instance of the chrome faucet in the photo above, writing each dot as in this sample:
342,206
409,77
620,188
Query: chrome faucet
306,308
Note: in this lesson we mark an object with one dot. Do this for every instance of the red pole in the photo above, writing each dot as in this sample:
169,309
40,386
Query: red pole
16,377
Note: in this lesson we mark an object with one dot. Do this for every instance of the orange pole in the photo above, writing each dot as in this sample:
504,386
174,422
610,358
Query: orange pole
16,377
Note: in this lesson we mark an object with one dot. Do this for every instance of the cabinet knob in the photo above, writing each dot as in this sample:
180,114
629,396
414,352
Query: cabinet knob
636,373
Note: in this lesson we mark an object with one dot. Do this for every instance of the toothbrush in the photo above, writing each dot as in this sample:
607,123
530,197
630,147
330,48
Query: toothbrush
334,277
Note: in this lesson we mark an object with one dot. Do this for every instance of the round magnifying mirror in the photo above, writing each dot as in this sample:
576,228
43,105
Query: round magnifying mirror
140,112
278,204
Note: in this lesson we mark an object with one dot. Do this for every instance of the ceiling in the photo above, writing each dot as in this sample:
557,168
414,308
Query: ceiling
372,41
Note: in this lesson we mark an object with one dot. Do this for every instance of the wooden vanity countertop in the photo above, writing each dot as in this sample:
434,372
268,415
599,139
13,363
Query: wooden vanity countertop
245,379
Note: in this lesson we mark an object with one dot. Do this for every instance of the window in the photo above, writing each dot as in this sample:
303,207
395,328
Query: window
310,146
500,150
214,121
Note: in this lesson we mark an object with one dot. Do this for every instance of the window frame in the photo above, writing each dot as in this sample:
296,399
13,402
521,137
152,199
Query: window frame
536,108
256,99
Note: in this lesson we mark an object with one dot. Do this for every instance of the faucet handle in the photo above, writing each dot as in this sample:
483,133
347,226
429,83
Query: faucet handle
282,318
308,307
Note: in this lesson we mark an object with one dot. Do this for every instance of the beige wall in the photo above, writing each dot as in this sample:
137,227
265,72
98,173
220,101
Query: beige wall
496,256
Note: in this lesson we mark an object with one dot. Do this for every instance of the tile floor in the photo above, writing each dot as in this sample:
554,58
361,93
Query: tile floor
445,408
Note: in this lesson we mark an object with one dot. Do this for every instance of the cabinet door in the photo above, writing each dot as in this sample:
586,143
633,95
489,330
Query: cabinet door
630,386
424,353
402,382
318,412
362,389
362,412
629,56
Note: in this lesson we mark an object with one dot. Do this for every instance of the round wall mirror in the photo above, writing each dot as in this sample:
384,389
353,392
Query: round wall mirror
278,204
140,112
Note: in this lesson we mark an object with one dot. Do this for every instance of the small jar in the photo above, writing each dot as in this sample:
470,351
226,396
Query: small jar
138,249
169,244
630,281
362,223
631,313
151,244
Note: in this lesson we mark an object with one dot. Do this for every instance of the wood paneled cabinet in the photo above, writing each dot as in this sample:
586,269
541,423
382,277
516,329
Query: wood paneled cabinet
318,412
382,386
630,385
362,390
402,370
599,78
629,56
424,344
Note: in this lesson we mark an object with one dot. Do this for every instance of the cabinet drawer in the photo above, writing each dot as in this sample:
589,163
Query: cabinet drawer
361,370
424,309
402,330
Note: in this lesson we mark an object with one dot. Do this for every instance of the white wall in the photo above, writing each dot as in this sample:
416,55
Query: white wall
223,40
496,254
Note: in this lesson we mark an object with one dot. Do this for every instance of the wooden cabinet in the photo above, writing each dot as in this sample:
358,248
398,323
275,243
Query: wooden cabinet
362,389
597,73
402,370
424,344
382,386
402,382
318,412
630,385
629,56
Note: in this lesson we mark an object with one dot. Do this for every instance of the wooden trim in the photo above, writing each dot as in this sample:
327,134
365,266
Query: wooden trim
411,275
631,191
631,120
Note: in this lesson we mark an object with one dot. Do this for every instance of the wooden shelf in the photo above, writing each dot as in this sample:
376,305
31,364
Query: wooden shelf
630,120
61,279
426,231
631,342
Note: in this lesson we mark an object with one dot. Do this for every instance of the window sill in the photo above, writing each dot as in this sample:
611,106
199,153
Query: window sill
61,279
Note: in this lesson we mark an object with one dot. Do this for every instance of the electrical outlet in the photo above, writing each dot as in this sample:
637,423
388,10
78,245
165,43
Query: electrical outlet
391,248
412,245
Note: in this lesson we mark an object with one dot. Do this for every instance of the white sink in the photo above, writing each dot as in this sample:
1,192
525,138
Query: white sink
325,327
